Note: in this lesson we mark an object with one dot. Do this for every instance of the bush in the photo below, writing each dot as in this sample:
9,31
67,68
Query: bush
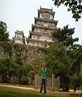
24,80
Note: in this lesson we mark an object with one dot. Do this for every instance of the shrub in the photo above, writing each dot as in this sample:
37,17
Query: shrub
24,80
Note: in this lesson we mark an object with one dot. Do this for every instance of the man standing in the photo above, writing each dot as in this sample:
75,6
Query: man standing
43,82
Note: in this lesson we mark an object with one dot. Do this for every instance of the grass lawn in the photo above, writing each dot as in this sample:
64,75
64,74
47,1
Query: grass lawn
14,92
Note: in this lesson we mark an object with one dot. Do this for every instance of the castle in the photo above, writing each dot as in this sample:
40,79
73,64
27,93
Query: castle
41,32
19,37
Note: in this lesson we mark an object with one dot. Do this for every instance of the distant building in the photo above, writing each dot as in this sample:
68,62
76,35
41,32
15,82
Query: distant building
19,37
41,33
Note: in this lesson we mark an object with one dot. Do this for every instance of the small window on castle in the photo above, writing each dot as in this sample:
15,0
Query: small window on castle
51,17
34,37
37,44
38,23
37,37
46,25
47,16
34,44
41,45
38,30
43,32
35,29
53,25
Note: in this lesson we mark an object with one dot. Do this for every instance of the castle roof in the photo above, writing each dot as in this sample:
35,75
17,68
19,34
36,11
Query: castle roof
41,34
38,41
19,32
42,27
46,20
45,10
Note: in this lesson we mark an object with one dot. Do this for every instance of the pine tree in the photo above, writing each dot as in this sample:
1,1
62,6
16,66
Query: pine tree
4,35
75,6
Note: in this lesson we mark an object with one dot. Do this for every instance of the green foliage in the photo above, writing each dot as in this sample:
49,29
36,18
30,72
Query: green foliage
77,56
24,80
58,59
20,51
76,81
75,6
19,60
14,67
64,35
39,60
63,57
14,61
14,50
7,47
8,68
23,69
4,35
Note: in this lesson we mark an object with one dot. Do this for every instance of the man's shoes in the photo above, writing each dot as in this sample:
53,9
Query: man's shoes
40,93
45,94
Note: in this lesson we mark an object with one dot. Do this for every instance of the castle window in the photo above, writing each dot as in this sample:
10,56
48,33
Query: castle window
53,25
38,23
51,17
34,44
37,37
35,29
41,44
18,36
37,44
46,24
33,37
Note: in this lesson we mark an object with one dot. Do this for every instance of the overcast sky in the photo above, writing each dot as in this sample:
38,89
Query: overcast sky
19,15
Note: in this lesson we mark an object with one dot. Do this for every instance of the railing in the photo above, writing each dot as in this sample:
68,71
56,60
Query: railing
51,82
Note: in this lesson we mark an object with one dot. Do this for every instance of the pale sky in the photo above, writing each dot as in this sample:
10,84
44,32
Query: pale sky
19,15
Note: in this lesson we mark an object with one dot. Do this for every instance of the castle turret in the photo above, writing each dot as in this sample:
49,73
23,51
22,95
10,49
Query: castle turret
19,37
41,33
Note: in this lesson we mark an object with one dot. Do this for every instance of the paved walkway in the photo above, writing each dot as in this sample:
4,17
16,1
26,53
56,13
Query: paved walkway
29,88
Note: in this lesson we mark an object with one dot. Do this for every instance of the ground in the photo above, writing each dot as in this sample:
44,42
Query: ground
17,91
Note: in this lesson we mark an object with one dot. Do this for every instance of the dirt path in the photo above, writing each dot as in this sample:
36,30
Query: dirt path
29,88
19,87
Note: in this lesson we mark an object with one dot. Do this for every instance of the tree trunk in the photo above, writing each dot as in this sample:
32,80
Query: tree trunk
9,79
64,83
19,79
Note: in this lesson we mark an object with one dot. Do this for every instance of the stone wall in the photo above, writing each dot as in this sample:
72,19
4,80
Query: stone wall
3,54
27,53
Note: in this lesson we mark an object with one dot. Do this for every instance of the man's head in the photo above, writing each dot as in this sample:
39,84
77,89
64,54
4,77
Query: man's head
44,65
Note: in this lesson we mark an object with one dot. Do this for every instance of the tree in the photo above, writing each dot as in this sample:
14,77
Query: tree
7,48
23,68
64,35
60,55
76,81
72,5
8,67
77,56
39,60
59,63
4,35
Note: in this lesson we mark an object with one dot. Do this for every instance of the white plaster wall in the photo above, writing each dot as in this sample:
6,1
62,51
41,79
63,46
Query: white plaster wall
46,15
34,37
37,30
45,38
19,41
18,36
51,17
